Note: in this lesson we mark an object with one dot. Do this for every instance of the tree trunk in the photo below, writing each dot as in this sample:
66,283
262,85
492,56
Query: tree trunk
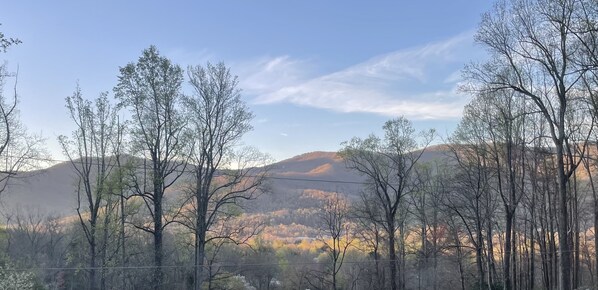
199,258
507,256
514,252
379,276
123,252
392,255
595,238
490,244
104,247
158,255
563,226
532,259
588,168
423,254
479,248
334,261
92,259
435,249
202,186
459,258
575,220
402,267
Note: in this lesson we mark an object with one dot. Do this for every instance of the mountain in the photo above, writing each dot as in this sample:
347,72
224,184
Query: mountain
297,187
51,191
315,171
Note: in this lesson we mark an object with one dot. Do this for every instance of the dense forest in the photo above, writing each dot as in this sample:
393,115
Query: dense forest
165,198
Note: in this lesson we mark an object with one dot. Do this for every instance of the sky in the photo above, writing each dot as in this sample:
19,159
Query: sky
315,73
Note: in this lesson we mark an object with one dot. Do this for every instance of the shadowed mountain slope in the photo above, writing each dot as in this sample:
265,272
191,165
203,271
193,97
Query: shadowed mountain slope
297,188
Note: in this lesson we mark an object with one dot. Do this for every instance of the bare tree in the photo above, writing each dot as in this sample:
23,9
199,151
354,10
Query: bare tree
33,239
370,234
535,53
19,150
470,198
493,131
90,151
337,236
224,175
388,164
426,208
151,89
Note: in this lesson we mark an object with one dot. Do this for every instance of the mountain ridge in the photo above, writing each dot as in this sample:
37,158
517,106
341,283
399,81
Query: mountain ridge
53,190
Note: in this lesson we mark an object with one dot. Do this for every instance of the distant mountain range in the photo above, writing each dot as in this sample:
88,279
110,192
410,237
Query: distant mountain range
296,188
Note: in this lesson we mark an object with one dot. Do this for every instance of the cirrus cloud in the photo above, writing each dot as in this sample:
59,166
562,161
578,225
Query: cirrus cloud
419,83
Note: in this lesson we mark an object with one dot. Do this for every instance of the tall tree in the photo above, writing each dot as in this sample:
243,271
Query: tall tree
19,150
494,124
224,174
90,151
337,236
151,89
535,53
370,234
426,208
470,197
389,166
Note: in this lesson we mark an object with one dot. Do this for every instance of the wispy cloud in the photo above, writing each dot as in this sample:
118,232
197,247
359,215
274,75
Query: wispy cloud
419,83
268,74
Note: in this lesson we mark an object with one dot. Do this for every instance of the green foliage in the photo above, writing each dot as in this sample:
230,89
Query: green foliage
151,90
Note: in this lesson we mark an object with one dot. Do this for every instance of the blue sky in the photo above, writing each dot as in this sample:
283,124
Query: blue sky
315,73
